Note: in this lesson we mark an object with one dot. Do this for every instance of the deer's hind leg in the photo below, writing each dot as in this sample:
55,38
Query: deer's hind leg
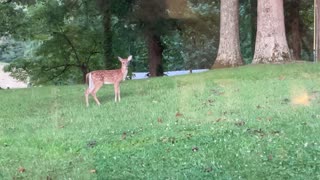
95,90
88,91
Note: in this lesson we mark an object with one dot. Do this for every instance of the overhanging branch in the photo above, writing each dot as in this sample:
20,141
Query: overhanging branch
70,43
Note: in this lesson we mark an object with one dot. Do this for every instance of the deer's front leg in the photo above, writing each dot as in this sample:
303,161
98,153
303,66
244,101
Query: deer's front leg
119,93
116,92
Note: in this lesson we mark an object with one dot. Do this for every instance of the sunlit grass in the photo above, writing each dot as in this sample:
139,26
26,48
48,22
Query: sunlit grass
253,122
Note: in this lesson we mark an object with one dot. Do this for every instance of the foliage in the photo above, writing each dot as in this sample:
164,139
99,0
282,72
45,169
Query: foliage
70,36
172,55
306,20
201,35
11,22
11,49
11,18
222,124
127,41
57,42
306,15
248,29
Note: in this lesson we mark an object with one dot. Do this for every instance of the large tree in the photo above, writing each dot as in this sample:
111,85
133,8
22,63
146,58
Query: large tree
152,17
293,24
229,54
317,29
271,43
105,9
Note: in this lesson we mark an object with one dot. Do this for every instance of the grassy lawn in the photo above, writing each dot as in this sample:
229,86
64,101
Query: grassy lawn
252,122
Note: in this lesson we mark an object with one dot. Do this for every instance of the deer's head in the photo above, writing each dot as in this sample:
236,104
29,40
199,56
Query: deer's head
125,62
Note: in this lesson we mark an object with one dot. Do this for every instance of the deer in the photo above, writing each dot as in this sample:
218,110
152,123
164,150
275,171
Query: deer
96,79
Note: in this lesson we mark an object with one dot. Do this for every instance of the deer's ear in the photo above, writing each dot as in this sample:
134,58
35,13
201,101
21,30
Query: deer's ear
130,58
120,59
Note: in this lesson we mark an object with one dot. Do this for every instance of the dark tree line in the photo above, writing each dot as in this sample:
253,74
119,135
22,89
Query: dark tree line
73,37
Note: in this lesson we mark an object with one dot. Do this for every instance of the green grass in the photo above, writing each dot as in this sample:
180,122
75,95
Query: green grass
252,122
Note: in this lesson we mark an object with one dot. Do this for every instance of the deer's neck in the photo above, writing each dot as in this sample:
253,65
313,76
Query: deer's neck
124,71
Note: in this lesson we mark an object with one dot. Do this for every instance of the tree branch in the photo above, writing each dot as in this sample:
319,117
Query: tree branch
70,43
55,76
59,66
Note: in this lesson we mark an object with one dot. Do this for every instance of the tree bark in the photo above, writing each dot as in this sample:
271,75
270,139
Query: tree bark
294,39
155,55
84,70
271,43
107,41
105,9
229,54
253,22
295,27
152,14
317,9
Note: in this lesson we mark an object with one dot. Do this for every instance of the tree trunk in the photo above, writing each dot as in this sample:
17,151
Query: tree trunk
105,8
253,22
84,70
107,41
271,43
295,27
294,40
155,55
229,54
317,9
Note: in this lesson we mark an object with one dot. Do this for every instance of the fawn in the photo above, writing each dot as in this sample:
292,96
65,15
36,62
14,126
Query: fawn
96,79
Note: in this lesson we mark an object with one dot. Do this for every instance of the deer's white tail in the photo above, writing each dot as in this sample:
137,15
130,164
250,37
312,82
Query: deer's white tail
91,84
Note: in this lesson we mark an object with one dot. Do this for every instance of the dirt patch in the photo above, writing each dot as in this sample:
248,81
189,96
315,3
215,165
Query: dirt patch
6,81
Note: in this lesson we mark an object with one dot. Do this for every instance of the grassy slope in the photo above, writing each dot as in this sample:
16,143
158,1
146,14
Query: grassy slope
235,123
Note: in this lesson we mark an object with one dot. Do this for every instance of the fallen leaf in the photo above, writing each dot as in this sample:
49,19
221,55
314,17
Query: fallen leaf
276,132
159,120
92,144
22,169
282,77
195,149
208,169
259,132
216,92
285,101
124,136
163,139
240,123
172,140
178,114
218,120
93,171
314,95
210,101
